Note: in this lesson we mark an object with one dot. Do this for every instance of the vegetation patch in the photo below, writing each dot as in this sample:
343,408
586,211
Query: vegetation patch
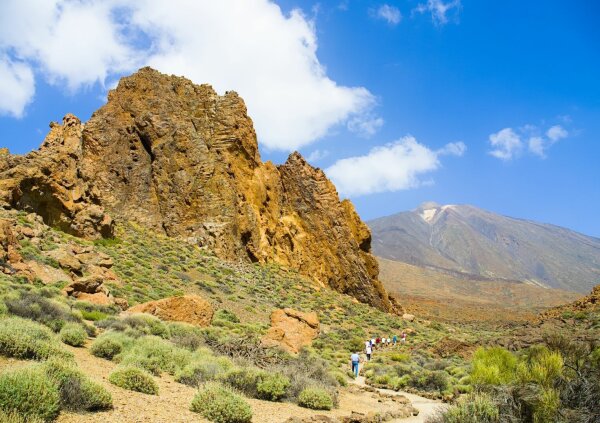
73,334
315,399
134,379
21,338
29,392
221,405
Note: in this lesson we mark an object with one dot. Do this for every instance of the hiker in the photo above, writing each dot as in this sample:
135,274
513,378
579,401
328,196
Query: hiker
394,340
368,351
389,342
403,339
355,359
367,343
373,343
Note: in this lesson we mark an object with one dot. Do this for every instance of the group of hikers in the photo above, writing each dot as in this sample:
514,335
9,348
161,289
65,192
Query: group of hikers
372,345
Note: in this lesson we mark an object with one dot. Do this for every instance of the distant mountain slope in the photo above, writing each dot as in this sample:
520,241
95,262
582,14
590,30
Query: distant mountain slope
436,294
462,238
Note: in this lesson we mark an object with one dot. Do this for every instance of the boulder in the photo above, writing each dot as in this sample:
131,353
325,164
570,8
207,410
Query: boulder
191,309
291,330
47,274
408,317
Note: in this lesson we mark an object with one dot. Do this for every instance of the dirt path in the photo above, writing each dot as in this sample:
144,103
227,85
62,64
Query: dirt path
172,403
427,407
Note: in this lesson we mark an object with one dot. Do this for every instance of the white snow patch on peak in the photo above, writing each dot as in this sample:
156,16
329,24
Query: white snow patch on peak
428,214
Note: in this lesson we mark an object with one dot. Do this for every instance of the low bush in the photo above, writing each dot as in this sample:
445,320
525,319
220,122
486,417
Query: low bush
77,392
315,399
272,386
221,405
400,357
203,368
134,379
185,335
475,408
33,306
155,355
30,393
73,334
21,338
14,417
493,366
223,315
430,381
146,324
244,379
110,344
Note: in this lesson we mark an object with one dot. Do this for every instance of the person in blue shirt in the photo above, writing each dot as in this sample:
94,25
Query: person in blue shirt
395,339
355,359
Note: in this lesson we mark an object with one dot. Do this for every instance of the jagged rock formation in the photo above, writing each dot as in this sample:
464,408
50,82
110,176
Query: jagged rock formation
182,160
589,303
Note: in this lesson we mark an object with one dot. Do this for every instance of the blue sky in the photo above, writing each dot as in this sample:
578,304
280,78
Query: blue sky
495,104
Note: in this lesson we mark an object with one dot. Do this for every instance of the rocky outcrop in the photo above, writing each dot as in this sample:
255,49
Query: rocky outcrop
191,309
181,160
589,303
291,330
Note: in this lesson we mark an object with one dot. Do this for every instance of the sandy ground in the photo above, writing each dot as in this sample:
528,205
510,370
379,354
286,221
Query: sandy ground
172,403
427,407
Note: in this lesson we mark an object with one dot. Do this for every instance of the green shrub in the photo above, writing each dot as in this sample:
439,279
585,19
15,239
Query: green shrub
272,386
29,392
14,417
541,366
221,405
430,381
400,357
244,379
475,408
77,392
93,315
21,338
33,306
134,379
223,315
147,324
315,399
155,355
493,366
203,368
110,344
185,335
73,334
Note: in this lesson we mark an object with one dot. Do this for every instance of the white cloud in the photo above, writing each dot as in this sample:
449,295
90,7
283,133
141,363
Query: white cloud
365,126
16,87
388,13
507,144
317,155
537,146
556,133
248,46
438,10
391,167
453,149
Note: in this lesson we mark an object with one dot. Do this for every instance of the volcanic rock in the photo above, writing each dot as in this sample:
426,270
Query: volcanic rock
181,160
191,309
291,329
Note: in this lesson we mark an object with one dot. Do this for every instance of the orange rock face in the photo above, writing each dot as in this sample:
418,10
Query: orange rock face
179,159
191,309
291,329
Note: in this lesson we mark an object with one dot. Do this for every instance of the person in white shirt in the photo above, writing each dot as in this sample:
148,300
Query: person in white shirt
369,351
